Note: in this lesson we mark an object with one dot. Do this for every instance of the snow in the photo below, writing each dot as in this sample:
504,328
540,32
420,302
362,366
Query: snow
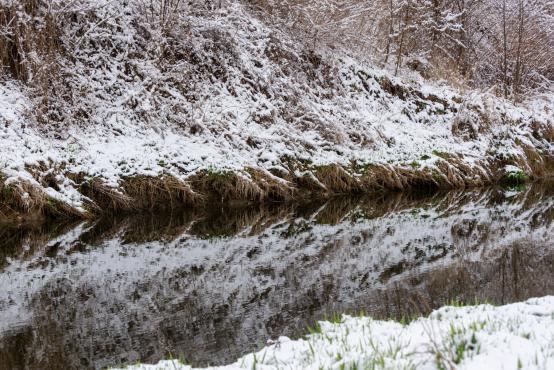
512,169
514,336
179,119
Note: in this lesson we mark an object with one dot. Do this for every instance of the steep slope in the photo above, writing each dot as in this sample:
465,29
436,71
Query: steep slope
215,104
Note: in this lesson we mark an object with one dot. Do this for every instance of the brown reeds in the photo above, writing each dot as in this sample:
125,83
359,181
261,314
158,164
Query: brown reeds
23,198
164,192
254,185
226,186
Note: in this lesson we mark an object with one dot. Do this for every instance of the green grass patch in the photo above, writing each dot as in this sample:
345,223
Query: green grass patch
314,329
7,191
415,165
361,168
440,154
515,178
335,318
456,302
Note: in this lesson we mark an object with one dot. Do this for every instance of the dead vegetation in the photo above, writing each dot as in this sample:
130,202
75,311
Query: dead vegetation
105,197
31,50
226,185
272,187
255,186
23,199
30,34
336,179
165,192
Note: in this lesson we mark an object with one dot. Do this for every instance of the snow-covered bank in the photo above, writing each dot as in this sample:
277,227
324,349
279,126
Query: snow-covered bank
515,336
224,105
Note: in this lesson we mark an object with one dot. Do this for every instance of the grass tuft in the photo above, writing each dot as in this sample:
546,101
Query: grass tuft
516,178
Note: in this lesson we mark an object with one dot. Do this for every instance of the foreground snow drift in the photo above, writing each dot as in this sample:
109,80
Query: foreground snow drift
514,336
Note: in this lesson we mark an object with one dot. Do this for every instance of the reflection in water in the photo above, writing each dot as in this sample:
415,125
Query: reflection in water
213,284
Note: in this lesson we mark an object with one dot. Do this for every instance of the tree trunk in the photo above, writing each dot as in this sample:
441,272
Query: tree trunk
391,29
505,51
520,30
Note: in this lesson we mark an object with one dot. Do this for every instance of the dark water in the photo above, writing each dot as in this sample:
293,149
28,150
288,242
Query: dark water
213,284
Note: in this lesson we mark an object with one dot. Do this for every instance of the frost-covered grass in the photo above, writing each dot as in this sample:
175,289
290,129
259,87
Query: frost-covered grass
515,336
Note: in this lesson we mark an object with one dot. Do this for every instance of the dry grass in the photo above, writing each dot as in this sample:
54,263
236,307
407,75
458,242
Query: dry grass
309,185
337,179
165,192
21,197
543,131
382,177
273,187
25,199
397,90
135,193
226,186
105,197
258,186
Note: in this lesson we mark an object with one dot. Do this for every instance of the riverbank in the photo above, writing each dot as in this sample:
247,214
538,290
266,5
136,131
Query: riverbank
237,110
74,178
82,196
515,336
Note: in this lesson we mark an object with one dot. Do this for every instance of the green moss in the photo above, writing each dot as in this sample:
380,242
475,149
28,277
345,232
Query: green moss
7,192
360,168
52,204
295,163
415,165
217,175
440,154
437,176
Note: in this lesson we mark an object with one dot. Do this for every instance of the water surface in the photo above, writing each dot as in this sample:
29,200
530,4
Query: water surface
212,284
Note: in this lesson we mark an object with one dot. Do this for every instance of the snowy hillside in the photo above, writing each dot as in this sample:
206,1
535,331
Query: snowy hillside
222,106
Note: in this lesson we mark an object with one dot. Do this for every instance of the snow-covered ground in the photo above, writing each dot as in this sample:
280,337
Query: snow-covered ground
515,336
236,93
